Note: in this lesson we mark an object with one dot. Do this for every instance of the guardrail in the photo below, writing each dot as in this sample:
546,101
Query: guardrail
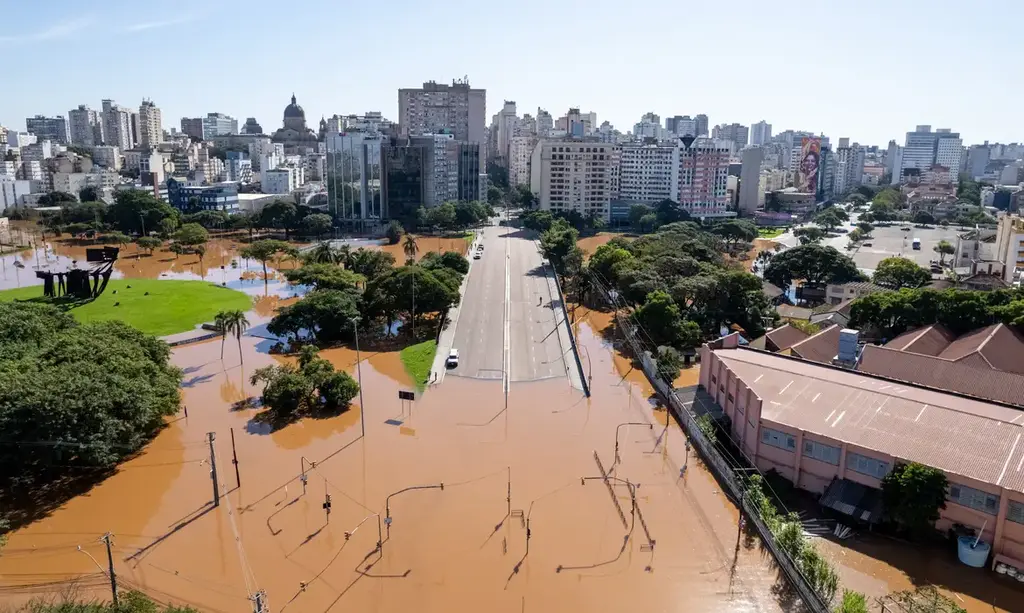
572,337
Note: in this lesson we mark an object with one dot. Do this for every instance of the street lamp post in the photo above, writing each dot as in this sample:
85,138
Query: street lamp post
359,377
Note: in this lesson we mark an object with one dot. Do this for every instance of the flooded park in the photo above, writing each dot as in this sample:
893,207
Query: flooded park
463,499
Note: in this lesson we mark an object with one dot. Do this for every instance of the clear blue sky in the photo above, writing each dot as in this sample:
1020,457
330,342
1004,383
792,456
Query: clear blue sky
870,70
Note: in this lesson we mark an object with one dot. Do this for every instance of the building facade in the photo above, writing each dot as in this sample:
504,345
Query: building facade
519,156
85,127
193,127
107,156
574,175
737,133
703,179
117,126
218,124
219,197
649,173
761,133
849,173
150,125
750,181
437,108
53,129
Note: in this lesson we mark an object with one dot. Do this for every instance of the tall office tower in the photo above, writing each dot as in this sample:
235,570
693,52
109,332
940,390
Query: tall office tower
438,108
702,125
750,179
117,126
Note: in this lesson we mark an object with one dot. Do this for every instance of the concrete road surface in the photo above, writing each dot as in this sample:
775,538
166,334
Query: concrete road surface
510,276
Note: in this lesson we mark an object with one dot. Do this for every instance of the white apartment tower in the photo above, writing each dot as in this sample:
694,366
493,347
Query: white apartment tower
574,175
924,149
520,153
545,123
438,108
649,173
849,173
750,179
503,126
117,126
150,125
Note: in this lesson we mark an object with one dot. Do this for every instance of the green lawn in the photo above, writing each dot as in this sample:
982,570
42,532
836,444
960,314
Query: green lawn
769,232
170,307
418,360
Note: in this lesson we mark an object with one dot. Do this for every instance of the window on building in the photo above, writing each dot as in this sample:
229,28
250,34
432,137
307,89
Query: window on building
974,499
1015,512
822,452
866,466
778,439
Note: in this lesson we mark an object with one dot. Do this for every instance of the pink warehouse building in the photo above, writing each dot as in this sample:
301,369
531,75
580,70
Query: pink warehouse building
816,423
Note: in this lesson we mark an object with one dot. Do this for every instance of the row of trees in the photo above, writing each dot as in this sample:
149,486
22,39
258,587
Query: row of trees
892,313
454,215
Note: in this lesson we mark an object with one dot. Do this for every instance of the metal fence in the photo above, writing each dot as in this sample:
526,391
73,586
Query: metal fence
731,480
572,337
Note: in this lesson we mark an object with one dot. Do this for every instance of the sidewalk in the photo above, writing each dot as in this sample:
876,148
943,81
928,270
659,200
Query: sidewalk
558,310
447,338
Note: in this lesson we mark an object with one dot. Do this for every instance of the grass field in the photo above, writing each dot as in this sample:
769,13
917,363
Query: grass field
417,360
769,232
169,307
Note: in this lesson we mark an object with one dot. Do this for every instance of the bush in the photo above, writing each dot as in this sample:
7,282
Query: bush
394,232
913,495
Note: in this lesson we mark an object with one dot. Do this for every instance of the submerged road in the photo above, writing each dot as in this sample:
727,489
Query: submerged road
509,313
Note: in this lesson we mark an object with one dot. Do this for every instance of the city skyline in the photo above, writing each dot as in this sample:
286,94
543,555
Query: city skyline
864,94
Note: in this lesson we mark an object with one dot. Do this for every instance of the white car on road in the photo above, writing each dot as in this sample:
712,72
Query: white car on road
453,359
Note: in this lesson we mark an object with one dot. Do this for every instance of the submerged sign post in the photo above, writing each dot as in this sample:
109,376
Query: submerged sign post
404,395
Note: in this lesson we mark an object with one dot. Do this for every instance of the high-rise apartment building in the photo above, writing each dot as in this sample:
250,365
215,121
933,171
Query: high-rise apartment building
192,126
574,175
649,173
702,125
736,133
53,129
545,123
760,133
150,125
949,151
703,178
750,180
849,167
85,126
117,126
438,108
977,161
503,128
520,153
219,124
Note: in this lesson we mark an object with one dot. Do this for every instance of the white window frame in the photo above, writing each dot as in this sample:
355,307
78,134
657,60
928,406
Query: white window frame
822,452
1015,512
873,467
973,498
779,439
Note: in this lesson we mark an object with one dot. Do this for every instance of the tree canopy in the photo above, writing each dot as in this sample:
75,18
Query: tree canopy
831,218
913,495
135,208
324,276
816,265
95,392
312,386
809,234
557,242
897,273
325,314
893,313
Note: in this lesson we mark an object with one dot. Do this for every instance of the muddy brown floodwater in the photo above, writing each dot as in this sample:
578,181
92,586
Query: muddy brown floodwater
460,548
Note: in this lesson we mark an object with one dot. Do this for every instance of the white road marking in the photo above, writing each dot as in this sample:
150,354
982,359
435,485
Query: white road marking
921,413
783,390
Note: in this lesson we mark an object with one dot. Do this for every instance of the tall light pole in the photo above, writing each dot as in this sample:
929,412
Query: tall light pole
359,376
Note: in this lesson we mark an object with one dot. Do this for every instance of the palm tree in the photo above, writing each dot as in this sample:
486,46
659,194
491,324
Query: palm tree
321,254
236,323
344,255
410,247
220,320
200,250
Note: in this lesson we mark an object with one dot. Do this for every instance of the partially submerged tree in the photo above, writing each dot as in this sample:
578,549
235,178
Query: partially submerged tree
264,251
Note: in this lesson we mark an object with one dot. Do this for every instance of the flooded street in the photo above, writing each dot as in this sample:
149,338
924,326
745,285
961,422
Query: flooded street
463,547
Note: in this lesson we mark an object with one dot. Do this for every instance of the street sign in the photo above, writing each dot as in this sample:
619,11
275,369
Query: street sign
403,395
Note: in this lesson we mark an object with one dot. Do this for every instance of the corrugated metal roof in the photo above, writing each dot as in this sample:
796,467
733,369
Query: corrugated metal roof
932,371
929,340
785,336
964,437
821,347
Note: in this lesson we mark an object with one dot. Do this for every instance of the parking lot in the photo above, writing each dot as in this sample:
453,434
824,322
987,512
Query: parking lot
889,241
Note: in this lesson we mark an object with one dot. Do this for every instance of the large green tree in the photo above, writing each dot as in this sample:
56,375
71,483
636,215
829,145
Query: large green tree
280,214
897,273
662,322
264,251
557,242
138,211
317,224
325,314
310,387
324,276
736,230
831,218
913,495
809,234
816,265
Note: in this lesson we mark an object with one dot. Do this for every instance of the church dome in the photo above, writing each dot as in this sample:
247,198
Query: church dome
293,110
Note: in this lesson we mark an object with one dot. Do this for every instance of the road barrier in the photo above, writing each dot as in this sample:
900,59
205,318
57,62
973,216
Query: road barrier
572,336
731,480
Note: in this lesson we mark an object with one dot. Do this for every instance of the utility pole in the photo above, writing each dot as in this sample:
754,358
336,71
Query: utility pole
110,565
259,602
359,376
234,459
211,436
